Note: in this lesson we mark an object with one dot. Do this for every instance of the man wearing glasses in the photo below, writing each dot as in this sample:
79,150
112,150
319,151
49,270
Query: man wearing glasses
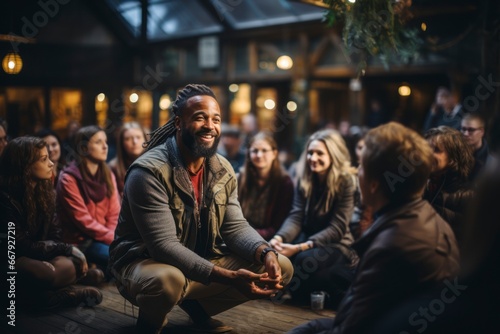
472,127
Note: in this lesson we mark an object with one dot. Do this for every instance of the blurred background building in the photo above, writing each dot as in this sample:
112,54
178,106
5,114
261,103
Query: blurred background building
109,61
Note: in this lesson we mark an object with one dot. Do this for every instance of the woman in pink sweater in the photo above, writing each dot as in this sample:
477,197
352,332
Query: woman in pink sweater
87,198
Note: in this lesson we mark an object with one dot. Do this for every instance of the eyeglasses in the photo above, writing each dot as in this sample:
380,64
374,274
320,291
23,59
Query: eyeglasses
256,151
469,130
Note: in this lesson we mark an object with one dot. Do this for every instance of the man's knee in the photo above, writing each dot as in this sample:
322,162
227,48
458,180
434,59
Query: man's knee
159,281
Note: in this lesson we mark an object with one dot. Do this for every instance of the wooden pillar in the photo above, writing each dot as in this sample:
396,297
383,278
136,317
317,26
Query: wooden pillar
300,93
88,106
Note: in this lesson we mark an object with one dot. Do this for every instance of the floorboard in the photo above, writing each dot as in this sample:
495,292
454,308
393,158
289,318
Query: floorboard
116,316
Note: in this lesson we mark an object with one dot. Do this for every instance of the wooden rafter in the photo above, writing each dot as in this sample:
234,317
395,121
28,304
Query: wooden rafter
16,39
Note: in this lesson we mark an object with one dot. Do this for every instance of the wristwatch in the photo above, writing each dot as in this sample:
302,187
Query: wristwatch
265,251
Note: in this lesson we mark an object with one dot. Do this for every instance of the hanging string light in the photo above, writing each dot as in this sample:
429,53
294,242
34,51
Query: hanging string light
12,63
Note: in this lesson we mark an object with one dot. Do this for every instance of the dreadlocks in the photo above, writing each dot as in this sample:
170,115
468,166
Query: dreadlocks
159,135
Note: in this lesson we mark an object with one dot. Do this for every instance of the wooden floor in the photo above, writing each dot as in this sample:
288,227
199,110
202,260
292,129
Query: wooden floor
113,315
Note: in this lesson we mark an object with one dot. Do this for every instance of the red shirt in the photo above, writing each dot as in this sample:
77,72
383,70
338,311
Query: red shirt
197,181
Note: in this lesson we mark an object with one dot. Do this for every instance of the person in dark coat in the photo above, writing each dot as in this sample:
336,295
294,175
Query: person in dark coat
408,248
468,303
473,129
444,111
448,189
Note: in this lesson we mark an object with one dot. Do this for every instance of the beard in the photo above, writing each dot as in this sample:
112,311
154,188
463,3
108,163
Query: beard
199,150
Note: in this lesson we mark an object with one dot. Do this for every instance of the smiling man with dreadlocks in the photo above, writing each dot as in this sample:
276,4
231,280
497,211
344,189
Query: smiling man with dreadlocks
181,237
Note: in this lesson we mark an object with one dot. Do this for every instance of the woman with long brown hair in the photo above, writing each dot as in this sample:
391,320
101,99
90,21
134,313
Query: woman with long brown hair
448,189
265,191
46,267
54,146
87,197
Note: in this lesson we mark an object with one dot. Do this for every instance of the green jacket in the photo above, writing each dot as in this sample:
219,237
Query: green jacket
160,218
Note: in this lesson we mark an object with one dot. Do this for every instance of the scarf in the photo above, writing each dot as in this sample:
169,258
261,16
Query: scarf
91,189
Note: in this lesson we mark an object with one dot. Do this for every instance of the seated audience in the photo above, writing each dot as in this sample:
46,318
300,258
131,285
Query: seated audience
408,248
68,144
131,137
3,135
318,225
468,303
54,147
376,115
265,191
249,127
473,129
362,217
444,111
448,190
231,147
87,198
46,267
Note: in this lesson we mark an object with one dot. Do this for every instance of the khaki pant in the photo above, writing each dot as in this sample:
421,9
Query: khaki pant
157,287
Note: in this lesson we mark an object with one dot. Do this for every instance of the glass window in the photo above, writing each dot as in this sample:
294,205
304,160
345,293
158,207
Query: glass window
23,109
241,59
138,107
168,18
240,102
266,104
258,13
65,106
173,18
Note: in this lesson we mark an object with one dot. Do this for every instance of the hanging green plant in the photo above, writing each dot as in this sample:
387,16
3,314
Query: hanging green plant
376,28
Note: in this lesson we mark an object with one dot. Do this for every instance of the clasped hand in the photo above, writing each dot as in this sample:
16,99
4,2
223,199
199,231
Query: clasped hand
255,286
283,248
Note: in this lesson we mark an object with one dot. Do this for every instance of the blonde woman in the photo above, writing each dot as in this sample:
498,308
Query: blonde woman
316,233
130,146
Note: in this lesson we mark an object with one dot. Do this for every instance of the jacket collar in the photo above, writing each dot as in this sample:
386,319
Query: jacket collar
482,152
382,221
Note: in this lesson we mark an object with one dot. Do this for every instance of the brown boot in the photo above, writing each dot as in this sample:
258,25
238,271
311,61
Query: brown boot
72,296
94,277
202,321
143,327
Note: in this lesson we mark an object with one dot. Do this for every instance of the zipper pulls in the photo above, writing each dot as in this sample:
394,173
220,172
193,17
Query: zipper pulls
197,214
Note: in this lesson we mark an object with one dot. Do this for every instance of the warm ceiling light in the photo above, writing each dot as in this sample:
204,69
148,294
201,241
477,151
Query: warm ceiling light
269,104
404,90
284,62
12,63
165,102
134,97
101,97
423,26
233,88
291,105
